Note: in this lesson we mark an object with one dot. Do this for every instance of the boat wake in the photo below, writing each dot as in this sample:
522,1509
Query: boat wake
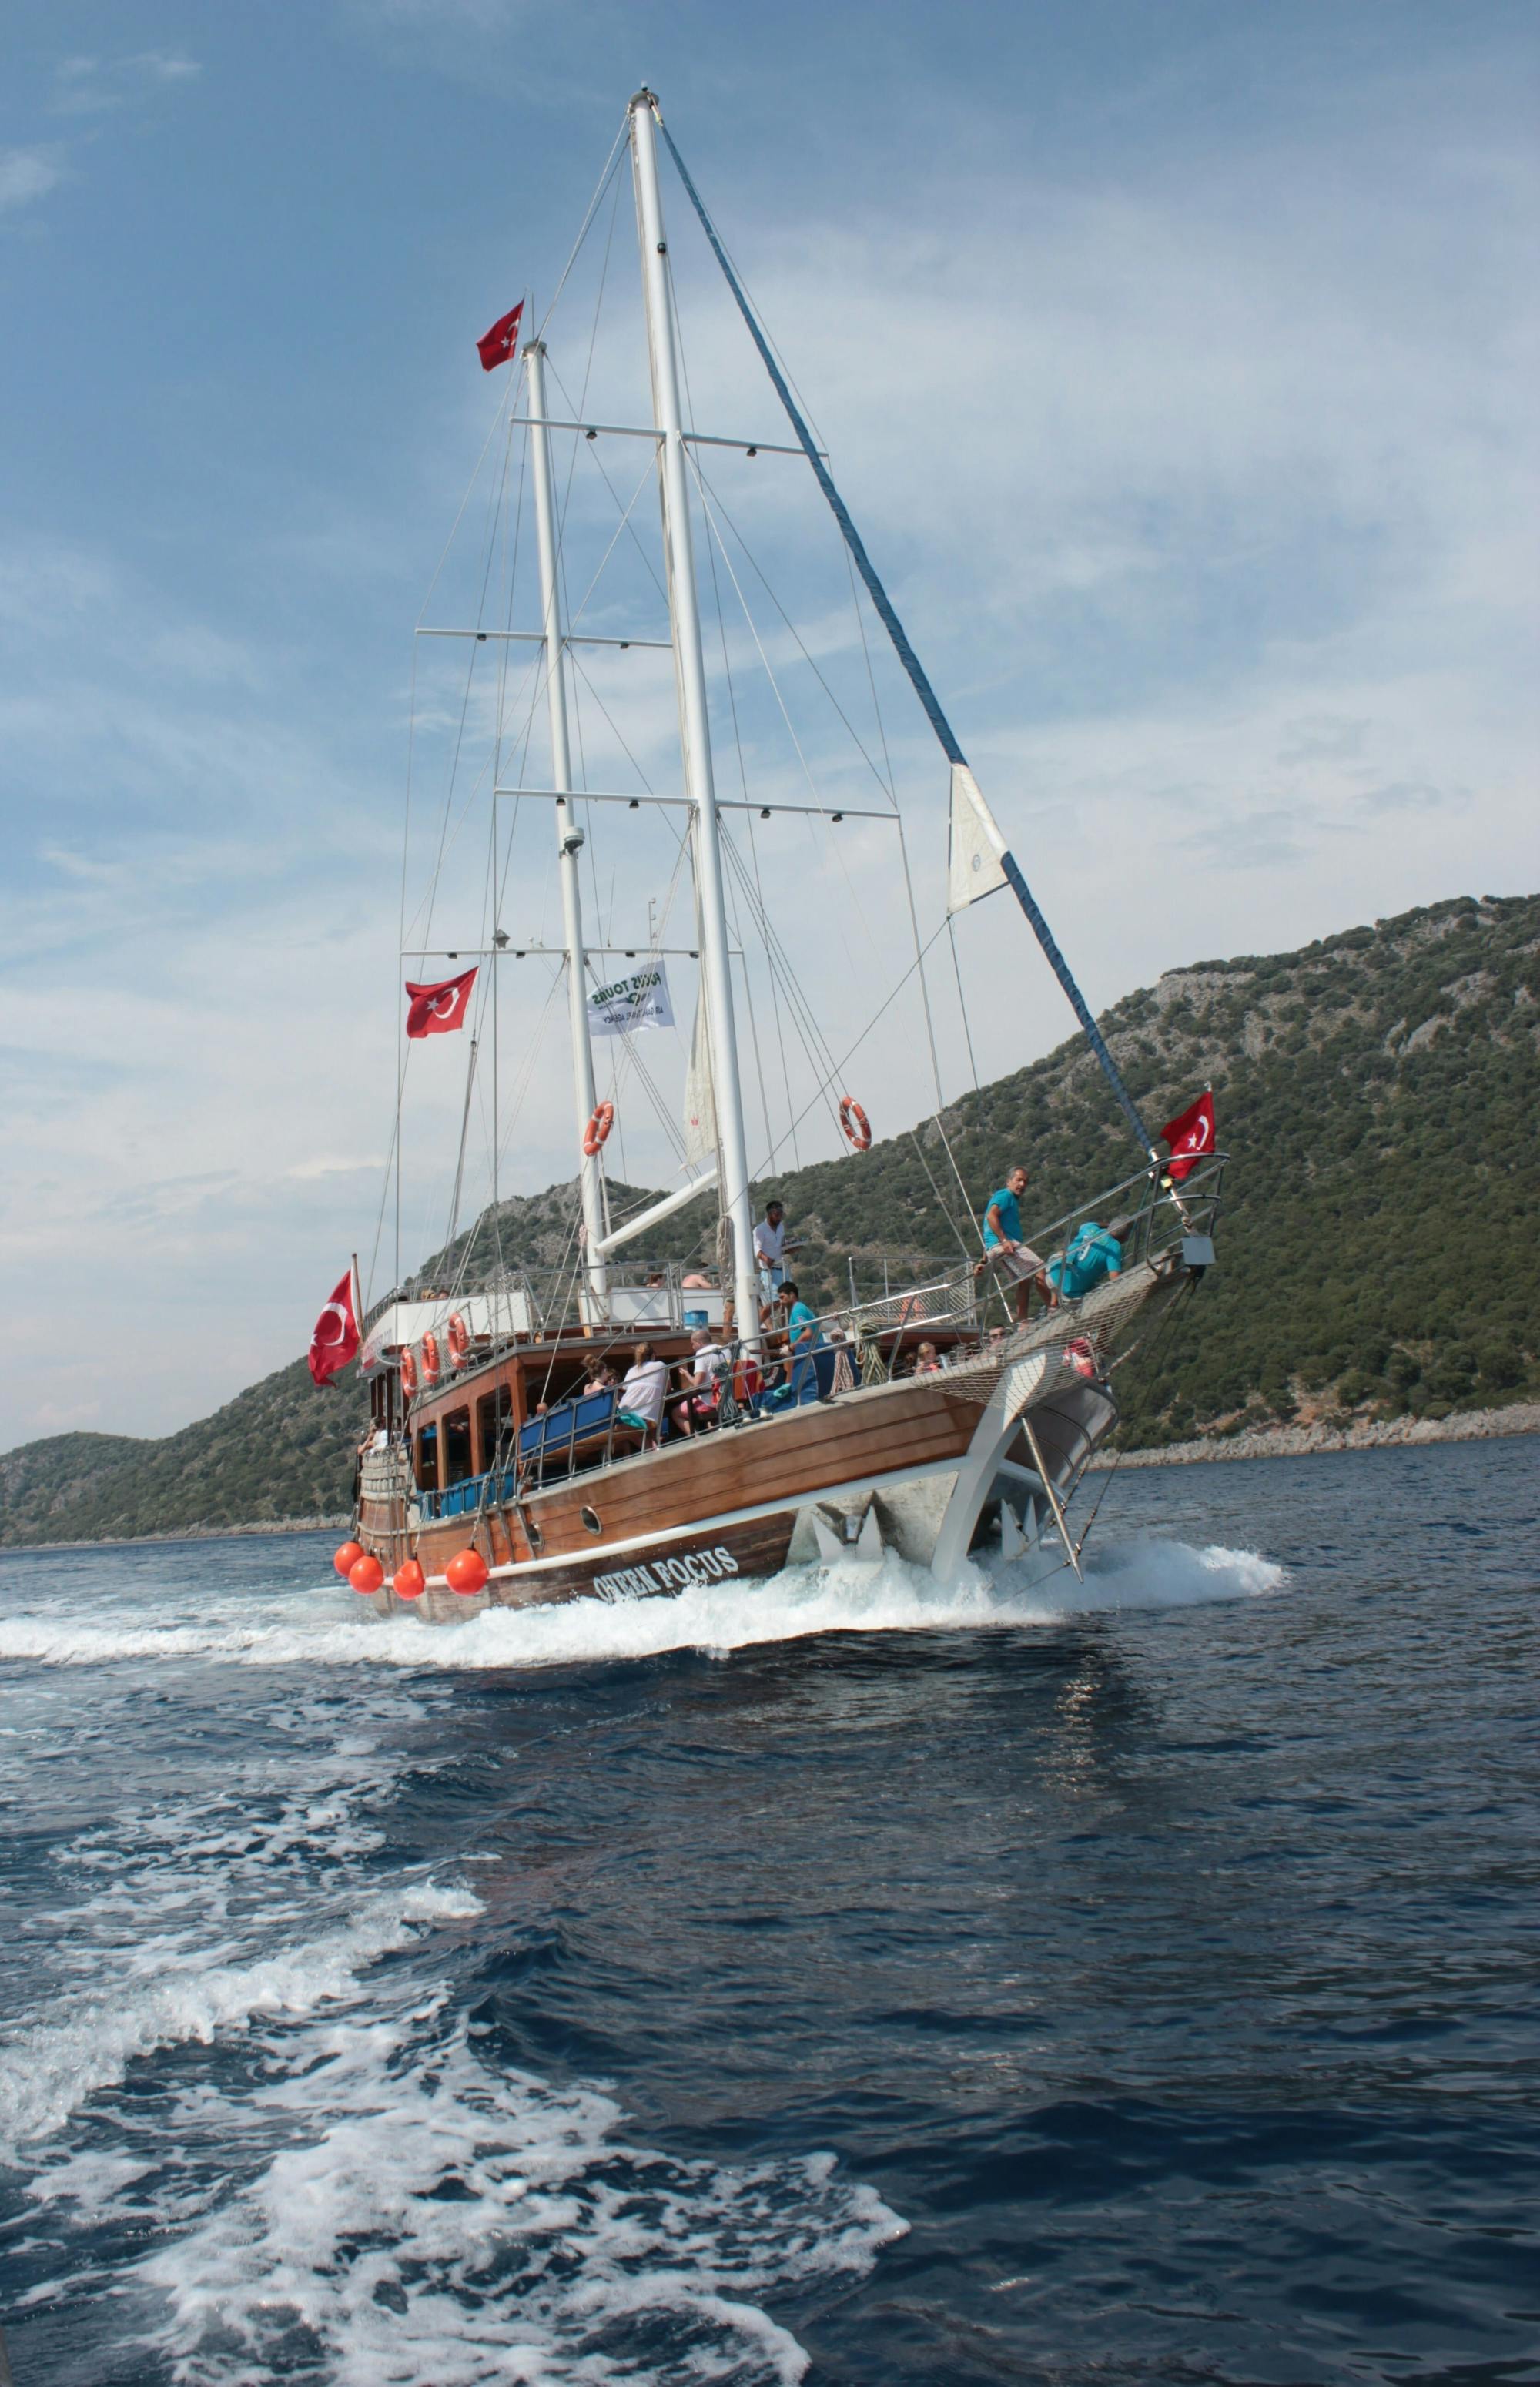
329,1627
340,2175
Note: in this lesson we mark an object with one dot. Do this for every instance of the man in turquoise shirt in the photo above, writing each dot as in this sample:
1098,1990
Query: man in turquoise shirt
1094,1253
805,1343
1013,1261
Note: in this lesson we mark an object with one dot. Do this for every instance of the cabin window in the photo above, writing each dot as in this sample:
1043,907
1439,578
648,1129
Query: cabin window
427,1458
458,1460
494,1424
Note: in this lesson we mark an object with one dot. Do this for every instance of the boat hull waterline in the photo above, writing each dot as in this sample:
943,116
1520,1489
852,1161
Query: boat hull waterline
922,1466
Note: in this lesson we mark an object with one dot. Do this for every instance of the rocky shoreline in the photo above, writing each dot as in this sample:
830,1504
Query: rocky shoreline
1303,1441
183,1533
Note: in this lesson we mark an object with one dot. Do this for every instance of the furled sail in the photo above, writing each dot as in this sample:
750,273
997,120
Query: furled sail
700,1097
974,866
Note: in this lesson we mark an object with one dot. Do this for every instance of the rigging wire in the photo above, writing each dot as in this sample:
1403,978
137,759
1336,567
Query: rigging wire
622,139
851,888
750,1005
749,557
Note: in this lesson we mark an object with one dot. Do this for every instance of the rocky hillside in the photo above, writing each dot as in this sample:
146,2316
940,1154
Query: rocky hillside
1378,1092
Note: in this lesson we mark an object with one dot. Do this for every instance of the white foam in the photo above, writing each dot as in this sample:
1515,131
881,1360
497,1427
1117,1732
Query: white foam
891,1598
50,2068
1153,1574
432,2219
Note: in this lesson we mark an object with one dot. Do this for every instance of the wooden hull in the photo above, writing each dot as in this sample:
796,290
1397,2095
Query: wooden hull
910,1466
737,1492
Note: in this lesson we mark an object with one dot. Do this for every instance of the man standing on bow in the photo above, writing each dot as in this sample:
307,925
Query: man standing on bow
1012,1260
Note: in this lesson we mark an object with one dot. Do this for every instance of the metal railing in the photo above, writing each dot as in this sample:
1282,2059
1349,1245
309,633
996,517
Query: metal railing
565,1441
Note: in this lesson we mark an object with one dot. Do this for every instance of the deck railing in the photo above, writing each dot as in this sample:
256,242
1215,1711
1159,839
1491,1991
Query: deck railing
579,1436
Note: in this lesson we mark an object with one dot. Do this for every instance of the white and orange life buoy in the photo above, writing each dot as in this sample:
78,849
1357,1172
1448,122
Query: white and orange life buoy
856,1125
429,1349
459,1337
409,1373
596,1132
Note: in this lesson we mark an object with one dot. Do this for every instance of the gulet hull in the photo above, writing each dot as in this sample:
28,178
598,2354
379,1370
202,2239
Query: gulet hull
918,1467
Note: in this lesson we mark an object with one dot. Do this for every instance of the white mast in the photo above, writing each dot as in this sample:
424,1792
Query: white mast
694,724
569,839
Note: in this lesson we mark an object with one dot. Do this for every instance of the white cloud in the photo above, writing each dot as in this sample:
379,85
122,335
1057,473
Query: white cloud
28,174
94,85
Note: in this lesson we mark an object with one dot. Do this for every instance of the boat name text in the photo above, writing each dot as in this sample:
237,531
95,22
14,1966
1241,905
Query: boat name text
666,1575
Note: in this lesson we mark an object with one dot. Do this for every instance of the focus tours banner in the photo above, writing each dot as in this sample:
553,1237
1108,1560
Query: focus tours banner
640,1001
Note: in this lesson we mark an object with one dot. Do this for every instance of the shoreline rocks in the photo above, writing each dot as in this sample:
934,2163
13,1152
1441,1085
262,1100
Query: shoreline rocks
1304,1440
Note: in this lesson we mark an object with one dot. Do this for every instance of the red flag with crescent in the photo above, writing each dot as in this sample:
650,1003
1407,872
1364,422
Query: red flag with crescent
1191,1136
335,1340
495,346
437,1010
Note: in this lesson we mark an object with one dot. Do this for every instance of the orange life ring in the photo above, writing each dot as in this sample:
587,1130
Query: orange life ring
409,1373
596,1132
459,1336
856,1125
430,1358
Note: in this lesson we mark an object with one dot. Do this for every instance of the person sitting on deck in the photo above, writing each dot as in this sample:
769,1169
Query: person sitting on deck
701,1383
602,1379
1094,1253
642,1392
926,1361
1013,1261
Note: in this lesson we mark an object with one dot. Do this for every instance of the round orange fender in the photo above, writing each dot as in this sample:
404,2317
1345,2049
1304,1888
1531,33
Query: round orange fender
856,1125
409,1373
466,1572
347,1558
430,1358
366,1574
596,1132
408,1582
459,1337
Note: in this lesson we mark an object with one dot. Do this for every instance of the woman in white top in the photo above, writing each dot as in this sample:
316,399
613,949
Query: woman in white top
642,1391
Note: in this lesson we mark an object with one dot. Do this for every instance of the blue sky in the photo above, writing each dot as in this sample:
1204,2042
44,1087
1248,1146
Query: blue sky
1178,363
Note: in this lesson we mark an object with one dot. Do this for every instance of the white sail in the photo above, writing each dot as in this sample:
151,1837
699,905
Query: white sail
700,1099
974,867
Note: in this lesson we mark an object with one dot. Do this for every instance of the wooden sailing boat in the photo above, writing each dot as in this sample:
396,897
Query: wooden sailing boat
492,1477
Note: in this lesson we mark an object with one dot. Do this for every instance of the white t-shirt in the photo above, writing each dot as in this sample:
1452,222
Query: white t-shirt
642,1393
770,1242
713,1361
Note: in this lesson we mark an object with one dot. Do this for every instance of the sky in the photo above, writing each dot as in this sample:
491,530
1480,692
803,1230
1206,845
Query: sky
1176,363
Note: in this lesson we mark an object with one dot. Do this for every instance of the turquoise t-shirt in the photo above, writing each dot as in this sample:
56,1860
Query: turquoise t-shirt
802,1328
1010,1218
1094,1254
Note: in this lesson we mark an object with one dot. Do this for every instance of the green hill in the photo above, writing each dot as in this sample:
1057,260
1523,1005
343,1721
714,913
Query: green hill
1378,1093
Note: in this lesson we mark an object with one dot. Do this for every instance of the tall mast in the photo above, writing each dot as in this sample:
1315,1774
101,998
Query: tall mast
569,839
689,671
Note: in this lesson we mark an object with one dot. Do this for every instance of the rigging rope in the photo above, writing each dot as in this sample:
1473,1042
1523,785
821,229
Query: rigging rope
946,735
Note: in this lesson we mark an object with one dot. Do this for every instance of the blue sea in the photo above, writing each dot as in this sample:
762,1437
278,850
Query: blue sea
845,1978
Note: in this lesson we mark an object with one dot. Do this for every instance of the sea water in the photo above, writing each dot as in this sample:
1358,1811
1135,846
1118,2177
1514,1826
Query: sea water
846,1978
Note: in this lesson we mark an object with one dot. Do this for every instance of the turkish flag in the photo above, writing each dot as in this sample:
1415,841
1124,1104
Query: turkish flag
435,1010
495,346
335,1340
1191,1136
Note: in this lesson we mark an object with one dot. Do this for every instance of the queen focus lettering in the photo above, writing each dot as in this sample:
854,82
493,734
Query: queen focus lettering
656,1576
